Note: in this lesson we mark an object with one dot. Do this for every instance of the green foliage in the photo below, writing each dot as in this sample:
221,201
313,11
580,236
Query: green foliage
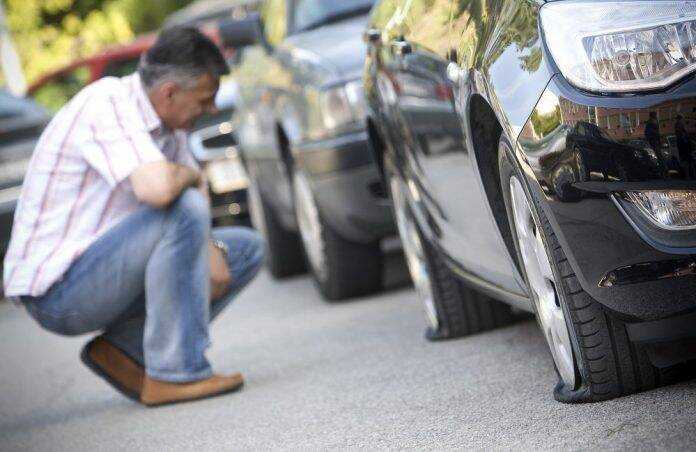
50,34
59,91
548,122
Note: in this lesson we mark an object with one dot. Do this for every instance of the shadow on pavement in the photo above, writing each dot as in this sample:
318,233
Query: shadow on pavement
46,417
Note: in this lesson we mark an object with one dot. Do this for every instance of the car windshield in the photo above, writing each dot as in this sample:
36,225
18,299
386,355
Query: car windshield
313,13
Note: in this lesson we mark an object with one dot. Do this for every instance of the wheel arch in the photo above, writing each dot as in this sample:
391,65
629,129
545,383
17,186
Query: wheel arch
486,131
377,148
284,151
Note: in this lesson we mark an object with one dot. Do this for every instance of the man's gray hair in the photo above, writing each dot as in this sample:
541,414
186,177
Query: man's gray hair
156,74
181,55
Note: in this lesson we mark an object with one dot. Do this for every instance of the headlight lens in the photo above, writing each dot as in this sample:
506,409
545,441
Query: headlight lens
621,46
667,209
342,105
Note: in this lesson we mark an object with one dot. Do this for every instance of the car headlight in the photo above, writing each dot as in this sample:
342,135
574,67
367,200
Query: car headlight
620,46
342,105
667,209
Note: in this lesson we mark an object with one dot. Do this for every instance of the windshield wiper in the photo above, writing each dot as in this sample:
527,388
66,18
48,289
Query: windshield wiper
337,17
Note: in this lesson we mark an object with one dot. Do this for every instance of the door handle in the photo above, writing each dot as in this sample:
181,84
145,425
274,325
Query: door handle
401,47
372,36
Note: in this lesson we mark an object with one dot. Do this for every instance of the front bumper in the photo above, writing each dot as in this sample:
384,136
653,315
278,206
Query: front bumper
347,186
578,152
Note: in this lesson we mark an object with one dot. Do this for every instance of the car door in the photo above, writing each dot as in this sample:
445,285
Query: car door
437,159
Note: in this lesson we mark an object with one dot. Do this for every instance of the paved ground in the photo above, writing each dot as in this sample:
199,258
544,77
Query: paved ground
349,375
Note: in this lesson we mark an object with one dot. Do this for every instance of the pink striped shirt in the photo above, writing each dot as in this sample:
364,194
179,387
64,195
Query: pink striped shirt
77,185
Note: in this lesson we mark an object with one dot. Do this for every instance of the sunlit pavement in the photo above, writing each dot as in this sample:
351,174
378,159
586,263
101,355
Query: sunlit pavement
348,375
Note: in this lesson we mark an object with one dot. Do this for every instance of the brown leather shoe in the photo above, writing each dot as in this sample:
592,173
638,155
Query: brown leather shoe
110,363
157,392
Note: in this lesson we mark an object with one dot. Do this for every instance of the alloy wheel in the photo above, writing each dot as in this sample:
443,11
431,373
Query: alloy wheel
309,223
414,251
542,283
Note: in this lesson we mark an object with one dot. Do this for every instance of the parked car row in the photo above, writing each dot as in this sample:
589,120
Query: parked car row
537,156
313,187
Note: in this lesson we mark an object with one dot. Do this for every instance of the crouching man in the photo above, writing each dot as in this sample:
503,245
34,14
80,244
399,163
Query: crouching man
112,230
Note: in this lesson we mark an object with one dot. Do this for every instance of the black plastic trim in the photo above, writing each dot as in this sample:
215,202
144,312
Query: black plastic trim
665,330
667,241
334,154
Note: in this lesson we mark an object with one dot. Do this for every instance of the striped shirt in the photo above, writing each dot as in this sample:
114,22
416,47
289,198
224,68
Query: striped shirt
77,187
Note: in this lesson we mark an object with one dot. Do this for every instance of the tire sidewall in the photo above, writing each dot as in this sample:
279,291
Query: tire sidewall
389,173
321,282
508,168
283,248
258,209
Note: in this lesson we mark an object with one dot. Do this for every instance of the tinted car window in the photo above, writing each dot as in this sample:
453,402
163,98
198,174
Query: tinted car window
57,92
308,13
382,13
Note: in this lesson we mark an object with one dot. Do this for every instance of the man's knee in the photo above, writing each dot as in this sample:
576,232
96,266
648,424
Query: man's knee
258,247
192,206
254,249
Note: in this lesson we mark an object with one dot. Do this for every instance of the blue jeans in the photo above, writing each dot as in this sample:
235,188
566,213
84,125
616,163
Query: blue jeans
146,283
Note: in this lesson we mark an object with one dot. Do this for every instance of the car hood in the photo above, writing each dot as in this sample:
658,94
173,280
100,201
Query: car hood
338,47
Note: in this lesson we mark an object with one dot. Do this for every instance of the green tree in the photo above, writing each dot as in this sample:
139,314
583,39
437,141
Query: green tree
49,34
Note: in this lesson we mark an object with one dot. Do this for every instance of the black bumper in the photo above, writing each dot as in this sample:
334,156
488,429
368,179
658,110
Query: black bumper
347,186
579,156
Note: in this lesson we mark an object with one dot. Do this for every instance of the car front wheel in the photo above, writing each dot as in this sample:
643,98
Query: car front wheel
283,248
341,268
590,347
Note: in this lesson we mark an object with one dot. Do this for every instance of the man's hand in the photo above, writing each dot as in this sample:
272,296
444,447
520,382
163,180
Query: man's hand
220,278
203,186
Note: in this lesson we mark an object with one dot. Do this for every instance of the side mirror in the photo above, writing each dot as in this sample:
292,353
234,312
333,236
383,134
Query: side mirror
238,33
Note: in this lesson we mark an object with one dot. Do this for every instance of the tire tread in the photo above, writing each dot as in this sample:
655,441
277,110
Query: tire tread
462,310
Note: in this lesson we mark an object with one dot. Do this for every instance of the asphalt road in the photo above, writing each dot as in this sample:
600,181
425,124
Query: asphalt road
350,375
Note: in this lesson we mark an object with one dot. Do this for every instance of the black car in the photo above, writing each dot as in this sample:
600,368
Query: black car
21,123
523,144
312,182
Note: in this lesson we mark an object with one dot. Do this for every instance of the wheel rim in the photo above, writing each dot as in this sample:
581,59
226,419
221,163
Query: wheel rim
310,225
258,219
414,252
542,284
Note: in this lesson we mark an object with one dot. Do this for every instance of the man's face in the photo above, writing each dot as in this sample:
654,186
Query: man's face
181,107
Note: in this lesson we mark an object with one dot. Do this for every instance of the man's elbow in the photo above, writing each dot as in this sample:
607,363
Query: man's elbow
157,189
